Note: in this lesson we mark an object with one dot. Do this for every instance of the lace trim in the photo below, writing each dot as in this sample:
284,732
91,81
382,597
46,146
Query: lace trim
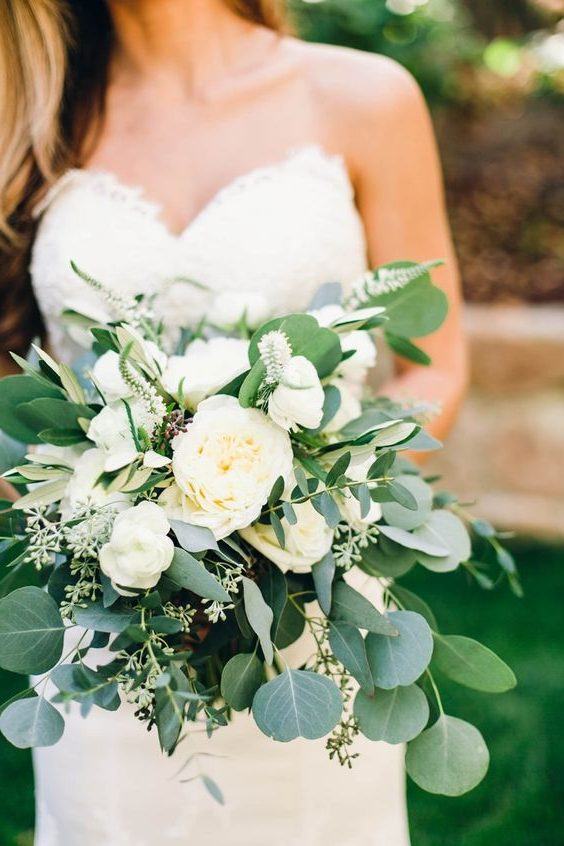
313,157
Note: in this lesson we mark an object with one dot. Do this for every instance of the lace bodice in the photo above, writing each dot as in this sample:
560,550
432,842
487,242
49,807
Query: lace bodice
282,230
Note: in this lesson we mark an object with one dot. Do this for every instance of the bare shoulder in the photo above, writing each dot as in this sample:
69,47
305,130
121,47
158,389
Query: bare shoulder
355,86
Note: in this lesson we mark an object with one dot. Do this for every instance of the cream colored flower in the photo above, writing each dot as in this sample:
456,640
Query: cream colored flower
205,368
306,542
298,398
226,464
138,550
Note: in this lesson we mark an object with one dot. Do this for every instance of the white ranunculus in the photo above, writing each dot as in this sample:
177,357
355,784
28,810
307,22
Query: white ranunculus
229,307
109,380
349,409
356,367
138,550
349,506
205,367
111,432
306,542
227,462
83,487
298,398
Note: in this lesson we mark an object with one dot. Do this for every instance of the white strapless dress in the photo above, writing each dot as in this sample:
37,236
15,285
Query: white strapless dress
281,230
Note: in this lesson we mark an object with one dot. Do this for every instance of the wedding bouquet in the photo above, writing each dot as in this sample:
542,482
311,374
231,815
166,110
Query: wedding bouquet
197,501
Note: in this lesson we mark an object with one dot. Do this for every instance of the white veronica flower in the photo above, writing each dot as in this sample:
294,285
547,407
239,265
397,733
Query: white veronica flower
138,550
108,379
226,464
298,398
205,367
306,542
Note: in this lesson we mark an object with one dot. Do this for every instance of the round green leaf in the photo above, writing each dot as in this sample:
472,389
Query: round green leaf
31,723
400,660
298,703
443,528
406,518
449,758
31,631
394,716
387,558
472,664
241,678
348,647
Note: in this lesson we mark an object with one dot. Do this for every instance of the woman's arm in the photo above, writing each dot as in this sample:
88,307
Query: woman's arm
392,156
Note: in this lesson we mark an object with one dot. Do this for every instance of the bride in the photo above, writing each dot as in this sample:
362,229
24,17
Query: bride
150,139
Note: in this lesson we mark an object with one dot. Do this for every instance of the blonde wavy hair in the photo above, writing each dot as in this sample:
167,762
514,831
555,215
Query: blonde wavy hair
54,57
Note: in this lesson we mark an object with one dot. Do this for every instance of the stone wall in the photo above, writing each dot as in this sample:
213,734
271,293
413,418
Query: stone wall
507,450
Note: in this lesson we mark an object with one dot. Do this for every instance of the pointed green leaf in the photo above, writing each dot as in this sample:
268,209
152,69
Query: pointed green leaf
189,573
348,647
259,615
472,664
350,606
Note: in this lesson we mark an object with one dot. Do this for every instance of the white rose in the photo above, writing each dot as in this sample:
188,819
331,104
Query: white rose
138,550
349,506
298,398
306,542
356,367
111,432
205,367
227,462
83,485
229,307
349,409
109,380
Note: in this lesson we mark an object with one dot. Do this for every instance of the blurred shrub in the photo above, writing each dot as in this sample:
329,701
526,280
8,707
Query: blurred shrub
462,52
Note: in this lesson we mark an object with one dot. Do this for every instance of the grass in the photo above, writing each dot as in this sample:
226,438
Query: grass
520,800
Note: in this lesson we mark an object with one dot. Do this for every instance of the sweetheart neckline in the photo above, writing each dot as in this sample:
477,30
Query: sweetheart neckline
140,198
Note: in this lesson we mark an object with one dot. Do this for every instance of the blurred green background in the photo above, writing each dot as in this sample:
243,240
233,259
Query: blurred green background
493,73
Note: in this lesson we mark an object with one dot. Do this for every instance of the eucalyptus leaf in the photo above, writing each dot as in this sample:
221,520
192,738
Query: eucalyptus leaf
189,573
193,538
348,647
450,758
444,528
426,543
31,631
472,664
395,716
411,602
259,615
32,722
323,573
350,606
97,617
15,390
405,517
297,703
241,678
400,660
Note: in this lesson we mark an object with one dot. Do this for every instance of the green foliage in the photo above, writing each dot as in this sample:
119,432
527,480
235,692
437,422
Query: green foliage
450,758
187,572
400,660
31,722
31,631
395,716
241,678
259,615
350,606
298,703
348,647
472,664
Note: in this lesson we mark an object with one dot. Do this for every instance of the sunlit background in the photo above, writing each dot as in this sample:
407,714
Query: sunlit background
493,74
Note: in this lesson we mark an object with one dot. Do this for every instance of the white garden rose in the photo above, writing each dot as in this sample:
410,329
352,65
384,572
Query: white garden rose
349,409
306,542
205,367
109,380
226,464
349,506
111,432
138,550
229,307
356,367
83,487
298,398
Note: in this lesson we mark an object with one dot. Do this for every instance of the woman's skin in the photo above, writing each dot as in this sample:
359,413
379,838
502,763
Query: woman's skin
198,96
